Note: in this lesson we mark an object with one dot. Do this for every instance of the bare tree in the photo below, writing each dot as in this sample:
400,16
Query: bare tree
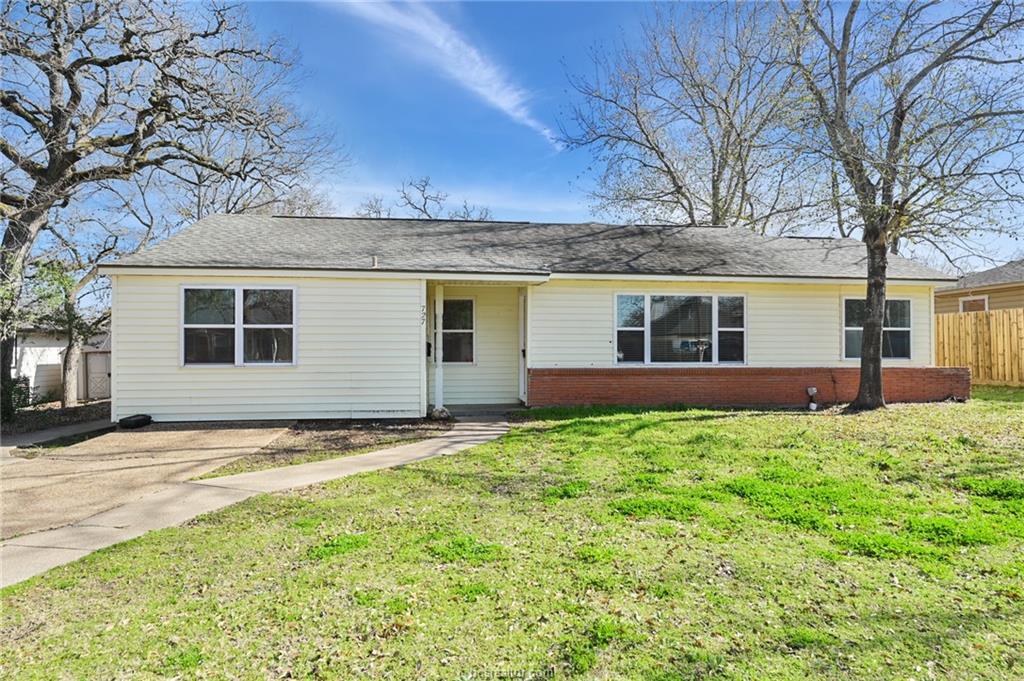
373,207
420,199
70,313
694,125
300,201
99,91
468,211
254,174
122,217
922,107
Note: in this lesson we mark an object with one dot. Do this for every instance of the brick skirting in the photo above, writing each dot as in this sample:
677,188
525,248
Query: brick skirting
737,386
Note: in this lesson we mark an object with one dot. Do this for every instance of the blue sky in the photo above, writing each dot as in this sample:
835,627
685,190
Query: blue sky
470,94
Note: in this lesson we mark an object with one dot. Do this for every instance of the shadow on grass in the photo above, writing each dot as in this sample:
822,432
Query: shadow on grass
501,484
929,632
997,393
683,412
986,470
937,638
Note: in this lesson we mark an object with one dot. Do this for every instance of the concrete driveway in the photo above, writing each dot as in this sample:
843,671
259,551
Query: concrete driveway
68,484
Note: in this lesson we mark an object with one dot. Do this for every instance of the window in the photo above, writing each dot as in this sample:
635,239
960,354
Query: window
974,304
238,325
458,336
731,328
679,329
267,326
629,328
209,326
895,328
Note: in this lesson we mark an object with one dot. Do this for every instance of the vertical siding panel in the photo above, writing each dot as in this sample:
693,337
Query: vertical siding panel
788,325
358,345
1006,298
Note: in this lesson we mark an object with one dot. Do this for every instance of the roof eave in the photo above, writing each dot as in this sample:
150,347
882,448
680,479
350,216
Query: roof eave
982,287
525,276
235,270
805,278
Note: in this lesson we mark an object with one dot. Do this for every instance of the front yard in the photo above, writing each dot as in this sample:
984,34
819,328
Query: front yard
601,543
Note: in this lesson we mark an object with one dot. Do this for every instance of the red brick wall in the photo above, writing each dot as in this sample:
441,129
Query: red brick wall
737,386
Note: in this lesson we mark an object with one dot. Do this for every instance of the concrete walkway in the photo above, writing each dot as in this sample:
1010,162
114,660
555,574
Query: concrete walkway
66,485
33,554
9,442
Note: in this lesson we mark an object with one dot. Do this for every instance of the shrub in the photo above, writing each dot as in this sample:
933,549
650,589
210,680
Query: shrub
19,395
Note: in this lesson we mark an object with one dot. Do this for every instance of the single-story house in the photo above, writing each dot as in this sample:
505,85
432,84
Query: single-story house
39,358
999,288
251,317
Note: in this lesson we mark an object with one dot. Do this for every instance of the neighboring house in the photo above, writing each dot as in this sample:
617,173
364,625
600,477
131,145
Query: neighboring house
999,288
248,317
39,357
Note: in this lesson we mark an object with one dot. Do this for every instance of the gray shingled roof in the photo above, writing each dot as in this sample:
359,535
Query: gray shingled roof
453,246
1010,273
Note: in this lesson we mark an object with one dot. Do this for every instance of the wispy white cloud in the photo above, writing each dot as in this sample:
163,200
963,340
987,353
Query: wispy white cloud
419,29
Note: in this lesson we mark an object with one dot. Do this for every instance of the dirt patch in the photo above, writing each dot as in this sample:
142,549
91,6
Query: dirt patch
50,415
308,441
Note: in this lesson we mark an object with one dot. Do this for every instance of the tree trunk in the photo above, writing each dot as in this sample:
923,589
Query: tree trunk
6,378
869,394
69,372
19,235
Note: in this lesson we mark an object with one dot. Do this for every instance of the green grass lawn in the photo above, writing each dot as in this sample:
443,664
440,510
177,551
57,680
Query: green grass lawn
599,543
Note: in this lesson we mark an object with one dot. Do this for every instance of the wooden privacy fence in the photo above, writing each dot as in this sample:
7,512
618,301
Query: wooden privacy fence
990,343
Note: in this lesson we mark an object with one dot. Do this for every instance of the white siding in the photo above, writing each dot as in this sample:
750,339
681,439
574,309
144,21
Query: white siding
359,350
571,323
494,377
998,298
39,357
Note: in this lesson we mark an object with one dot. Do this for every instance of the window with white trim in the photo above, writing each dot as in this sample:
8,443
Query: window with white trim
238,326
458,331
209,326
630,313
732,328
974,304
267,326
680,329
895,328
